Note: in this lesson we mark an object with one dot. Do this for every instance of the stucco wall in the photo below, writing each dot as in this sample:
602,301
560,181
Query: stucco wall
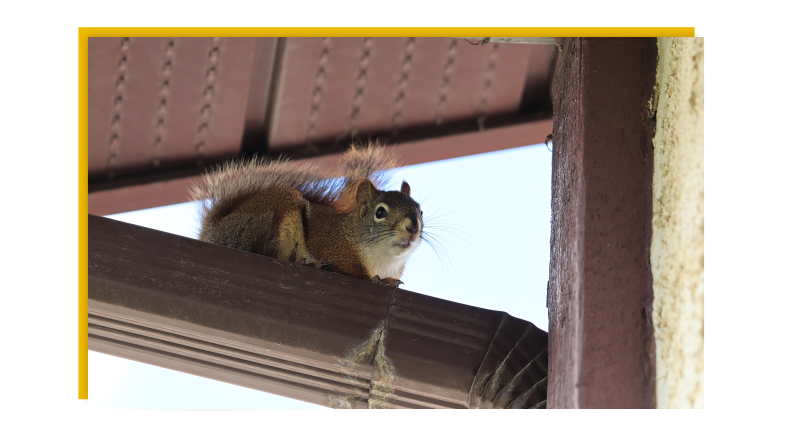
677,250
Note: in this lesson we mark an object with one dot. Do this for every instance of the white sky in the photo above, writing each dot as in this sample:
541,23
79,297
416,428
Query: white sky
493,214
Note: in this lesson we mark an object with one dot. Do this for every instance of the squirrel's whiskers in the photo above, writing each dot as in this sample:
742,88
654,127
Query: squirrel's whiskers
436,231
439,244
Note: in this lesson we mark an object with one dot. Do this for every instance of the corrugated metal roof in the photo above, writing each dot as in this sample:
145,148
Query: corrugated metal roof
165,108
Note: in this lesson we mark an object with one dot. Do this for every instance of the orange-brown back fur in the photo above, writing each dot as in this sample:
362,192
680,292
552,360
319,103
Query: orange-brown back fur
294,212
235,182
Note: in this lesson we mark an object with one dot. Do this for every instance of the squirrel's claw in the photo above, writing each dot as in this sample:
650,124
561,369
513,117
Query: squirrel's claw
388,281
316,264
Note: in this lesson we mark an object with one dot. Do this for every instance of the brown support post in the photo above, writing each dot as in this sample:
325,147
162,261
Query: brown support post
600,289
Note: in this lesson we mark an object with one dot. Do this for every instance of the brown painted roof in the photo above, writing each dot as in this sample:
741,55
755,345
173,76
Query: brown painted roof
162,109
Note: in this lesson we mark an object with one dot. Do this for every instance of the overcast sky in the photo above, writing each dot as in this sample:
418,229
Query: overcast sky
492,212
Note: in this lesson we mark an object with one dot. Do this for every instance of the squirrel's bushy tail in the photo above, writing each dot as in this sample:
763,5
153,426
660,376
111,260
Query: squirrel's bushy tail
225,187
361,162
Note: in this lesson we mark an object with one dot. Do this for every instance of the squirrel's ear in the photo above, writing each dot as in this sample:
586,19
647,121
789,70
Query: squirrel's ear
365,191
405,188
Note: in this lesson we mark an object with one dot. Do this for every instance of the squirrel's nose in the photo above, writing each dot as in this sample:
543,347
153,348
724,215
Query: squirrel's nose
412,228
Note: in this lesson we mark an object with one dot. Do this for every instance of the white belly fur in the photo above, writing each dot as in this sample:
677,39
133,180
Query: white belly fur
385,265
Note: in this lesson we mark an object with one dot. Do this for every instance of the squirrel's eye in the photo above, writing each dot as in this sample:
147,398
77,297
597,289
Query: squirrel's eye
381,213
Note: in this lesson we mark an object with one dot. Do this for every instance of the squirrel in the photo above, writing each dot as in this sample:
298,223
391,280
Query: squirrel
304,213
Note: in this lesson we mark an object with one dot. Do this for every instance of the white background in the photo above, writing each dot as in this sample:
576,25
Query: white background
748,156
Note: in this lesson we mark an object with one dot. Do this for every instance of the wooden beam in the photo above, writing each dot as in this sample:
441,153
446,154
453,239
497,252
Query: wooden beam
301,332
167,188
600,288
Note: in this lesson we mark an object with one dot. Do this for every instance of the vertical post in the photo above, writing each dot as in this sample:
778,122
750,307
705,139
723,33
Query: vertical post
600,291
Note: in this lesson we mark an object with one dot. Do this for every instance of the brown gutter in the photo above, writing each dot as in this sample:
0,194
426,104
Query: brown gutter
301,332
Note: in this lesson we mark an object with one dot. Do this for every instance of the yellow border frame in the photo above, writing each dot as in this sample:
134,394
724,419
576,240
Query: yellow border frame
85,33
389,32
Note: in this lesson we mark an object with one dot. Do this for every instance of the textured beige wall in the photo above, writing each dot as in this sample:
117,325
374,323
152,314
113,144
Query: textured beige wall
677,251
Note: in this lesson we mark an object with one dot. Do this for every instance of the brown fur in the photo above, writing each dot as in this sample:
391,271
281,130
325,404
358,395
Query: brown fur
301,212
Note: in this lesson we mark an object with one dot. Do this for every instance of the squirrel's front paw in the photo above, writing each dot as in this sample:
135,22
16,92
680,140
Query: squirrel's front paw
388,281
391,281
315,264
